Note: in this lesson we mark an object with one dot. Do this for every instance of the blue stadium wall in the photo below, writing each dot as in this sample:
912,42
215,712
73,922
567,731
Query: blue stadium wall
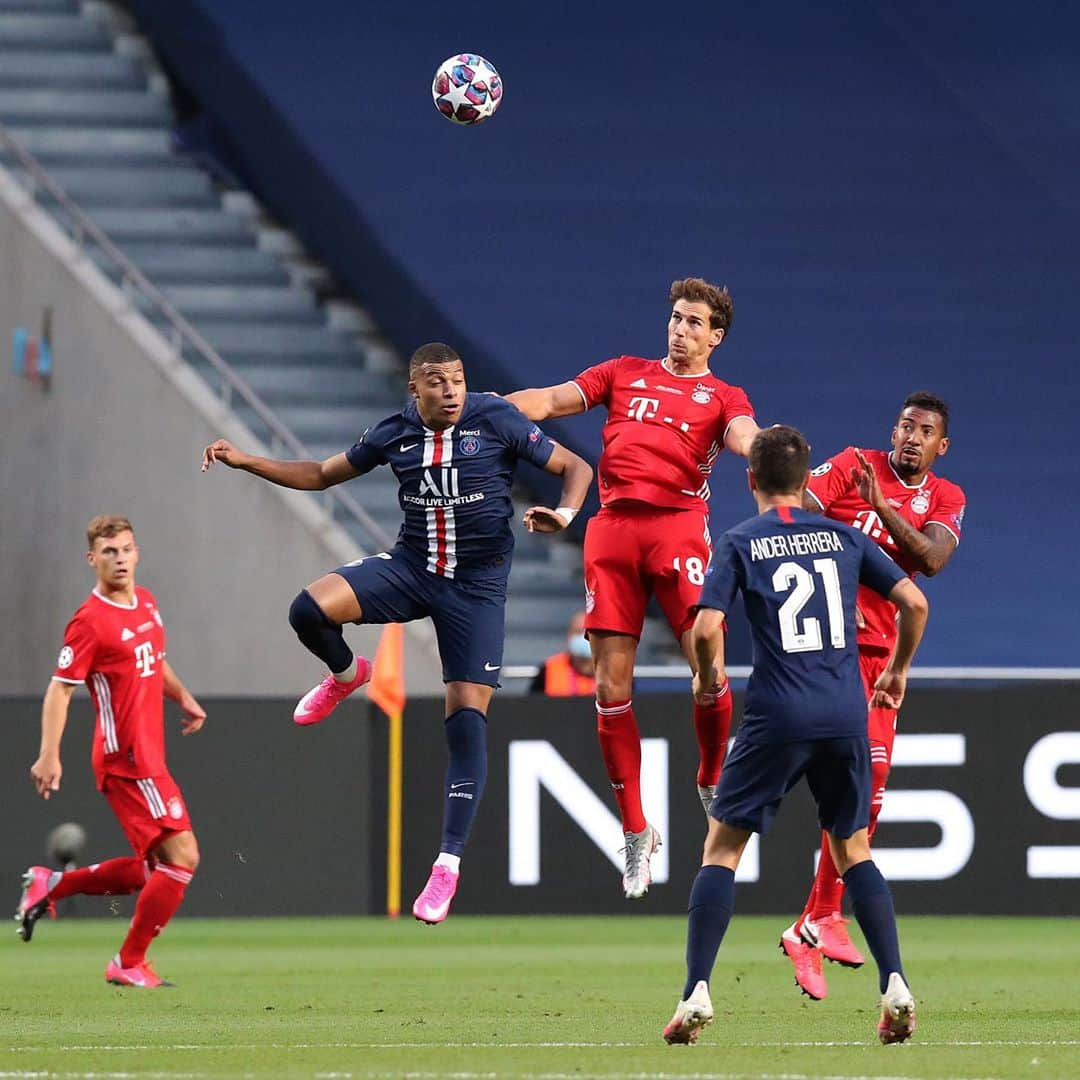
888,189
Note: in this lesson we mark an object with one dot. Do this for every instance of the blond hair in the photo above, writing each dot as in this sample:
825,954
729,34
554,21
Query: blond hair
106,525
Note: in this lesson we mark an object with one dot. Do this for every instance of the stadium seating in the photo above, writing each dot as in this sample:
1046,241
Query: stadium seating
888,189
97,119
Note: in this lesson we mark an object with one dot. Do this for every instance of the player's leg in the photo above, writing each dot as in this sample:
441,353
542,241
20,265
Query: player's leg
677,559
821,924
751,788
43,887
153,815
840,782
712,901
470,628
615,599
374,589
826,924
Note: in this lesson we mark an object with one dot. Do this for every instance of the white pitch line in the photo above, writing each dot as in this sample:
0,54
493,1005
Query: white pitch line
652,1043
410,1075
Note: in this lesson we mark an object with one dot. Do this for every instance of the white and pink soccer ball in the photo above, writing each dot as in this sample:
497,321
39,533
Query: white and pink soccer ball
467,89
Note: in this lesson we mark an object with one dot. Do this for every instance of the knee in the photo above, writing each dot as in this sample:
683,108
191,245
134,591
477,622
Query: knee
182,851
612,686
304,613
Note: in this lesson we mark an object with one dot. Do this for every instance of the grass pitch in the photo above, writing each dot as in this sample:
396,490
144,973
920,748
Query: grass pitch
542,997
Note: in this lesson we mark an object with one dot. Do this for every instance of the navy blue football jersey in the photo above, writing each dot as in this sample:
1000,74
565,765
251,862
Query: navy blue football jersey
455,483
799,574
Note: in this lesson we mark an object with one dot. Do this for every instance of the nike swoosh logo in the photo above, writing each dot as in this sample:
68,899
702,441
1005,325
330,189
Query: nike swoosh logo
464,783
402,448
491,667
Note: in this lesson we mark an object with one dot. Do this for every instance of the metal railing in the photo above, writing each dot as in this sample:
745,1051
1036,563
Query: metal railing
181,334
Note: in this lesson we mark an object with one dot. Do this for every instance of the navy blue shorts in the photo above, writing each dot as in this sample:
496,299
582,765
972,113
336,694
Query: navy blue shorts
757,776
469,616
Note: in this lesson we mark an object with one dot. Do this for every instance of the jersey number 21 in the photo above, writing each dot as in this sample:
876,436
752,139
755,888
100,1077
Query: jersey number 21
802,584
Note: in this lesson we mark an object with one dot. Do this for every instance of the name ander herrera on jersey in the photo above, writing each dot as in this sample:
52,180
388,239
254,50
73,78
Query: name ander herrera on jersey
455,483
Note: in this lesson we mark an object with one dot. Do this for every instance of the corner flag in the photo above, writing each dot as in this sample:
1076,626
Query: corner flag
387,691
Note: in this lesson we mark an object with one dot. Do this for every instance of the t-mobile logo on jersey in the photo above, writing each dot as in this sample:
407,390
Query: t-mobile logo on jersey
873,526
643,408
144,659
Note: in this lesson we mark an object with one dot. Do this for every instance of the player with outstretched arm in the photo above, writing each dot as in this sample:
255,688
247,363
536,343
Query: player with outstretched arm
454,455
804,714
668,421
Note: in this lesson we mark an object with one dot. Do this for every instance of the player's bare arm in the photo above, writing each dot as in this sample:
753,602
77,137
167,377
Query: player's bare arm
300,475
577,475
930,548
175,690
740,434
47,770
565,399
913,610
707,652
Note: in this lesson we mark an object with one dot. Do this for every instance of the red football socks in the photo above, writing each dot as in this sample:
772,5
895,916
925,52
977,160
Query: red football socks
620,747
115,877
828,891
712,726
155,907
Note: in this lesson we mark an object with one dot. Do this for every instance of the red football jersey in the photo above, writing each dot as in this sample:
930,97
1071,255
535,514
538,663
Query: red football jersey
935,500
663,431
118,652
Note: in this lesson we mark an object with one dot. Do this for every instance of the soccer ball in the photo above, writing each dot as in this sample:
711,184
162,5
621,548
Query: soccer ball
467,89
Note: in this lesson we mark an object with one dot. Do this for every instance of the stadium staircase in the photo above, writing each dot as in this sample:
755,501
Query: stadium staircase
81,92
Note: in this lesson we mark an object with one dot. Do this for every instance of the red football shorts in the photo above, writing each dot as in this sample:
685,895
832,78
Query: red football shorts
880,723
632,554
148,810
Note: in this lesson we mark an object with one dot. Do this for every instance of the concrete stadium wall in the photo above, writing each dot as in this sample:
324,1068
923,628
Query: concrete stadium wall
121,432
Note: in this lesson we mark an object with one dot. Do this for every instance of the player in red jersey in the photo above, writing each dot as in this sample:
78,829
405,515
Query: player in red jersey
115,643
668,420
916,517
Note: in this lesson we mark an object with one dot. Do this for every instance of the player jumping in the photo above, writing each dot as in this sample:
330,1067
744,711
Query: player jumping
804,714
115,643
916,517
668,420
454,455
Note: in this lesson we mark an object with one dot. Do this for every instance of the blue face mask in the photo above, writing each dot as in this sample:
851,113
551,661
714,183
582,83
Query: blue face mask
579,647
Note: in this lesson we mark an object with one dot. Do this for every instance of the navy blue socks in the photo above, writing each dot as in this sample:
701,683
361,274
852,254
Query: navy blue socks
318,634
712,900
466,739
873,906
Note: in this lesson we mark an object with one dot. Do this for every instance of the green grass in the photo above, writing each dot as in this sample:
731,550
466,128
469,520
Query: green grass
528,997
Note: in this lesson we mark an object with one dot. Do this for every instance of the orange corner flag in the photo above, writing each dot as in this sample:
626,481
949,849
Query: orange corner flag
387,686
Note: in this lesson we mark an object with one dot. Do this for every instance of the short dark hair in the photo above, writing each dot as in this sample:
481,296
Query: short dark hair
923,399
434,352
779,459
699,291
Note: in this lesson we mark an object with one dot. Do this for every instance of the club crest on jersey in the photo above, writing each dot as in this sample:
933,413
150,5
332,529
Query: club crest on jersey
469,446
821,470
66,657
701,396
176,808
921,503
